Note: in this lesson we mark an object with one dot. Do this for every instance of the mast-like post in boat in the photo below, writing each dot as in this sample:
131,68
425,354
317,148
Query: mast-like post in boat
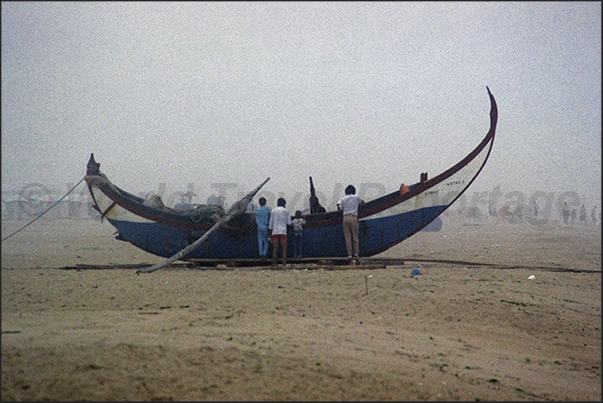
315,206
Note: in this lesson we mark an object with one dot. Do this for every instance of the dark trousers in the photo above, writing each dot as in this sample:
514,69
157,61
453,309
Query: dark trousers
297,244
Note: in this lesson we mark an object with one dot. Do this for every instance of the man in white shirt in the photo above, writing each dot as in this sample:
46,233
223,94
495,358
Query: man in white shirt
280,219
349,206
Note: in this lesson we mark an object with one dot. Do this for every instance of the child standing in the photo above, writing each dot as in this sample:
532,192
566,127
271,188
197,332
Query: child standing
298,229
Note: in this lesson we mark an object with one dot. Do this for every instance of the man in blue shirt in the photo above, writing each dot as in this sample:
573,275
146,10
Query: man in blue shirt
262,219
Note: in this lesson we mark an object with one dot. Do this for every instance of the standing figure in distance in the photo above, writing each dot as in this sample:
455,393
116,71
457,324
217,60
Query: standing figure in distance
573,216
349,206
565,212
262,219
279,221
583,215
298,229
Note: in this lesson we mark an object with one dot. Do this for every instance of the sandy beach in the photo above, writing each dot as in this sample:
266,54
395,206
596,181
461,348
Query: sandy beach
474,325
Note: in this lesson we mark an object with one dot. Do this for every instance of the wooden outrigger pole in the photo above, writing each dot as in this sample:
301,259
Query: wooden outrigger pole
238,208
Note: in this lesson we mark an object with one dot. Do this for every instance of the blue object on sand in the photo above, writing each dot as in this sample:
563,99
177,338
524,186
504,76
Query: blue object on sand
415,272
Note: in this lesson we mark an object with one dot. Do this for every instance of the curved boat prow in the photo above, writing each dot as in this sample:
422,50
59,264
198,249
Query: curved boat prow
493,113
93,167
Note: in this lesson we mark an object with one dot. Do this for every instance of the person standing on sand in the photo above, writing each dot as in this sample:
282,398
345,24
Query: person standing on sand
349,206
573,216
262,219
565,212
593,215
280,219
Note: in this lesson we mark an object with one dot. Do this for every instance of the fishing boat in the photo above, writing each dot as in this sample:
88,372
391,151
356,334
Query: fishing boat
383,222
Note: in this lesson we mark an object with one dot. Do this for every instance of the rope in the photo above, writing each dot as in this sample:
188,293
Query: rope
48,209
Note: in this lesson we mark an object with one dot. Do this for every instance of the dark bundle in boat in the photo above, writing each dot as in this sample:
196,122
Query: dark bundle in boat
207,213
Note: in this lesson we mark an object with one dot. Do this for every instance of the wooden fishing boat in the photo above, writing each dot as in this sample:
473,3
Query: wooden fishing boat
384,221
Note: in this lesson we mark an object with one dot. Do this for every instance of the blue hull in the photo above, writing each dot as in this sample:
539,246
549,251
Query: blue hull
375,235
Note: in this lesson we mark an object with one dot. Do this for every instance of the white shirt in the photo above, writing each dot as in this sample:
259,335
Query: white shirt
279,220
298,224
349,204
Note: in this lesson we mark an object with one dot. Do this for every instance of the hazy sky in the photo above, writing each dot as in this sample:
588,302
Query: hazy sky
375,92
